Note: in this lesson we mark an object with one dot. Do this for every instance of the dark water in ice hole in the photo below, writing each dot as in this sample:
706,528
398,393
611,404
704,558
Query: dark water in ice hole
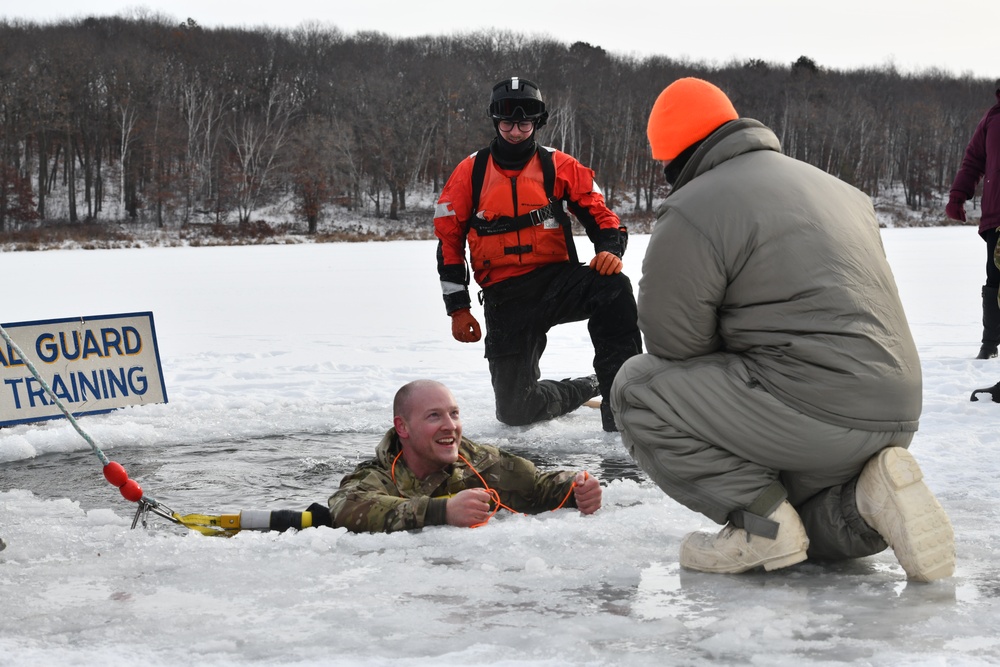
289,471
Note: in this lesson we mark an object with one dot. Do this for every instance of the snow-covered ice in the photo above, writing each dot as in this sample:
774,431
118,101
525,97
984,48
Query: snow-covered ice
280,365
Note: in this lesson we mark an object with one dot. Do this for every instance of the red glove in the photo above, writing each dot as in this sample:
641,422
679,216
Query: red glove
606,263
464,326
955,209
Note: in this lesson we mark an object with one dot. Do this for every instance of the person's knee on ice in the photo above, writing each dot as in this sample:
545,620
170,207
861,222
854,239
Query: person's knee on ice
517,413
543,400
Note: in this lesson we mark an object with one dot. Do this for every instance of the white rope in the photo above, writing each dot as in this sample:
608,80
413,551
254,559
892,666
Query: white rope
48,390
146,504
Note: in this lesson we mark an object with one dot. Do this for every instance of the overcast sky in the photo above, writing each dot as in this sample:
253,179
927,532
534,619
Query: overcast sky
914,35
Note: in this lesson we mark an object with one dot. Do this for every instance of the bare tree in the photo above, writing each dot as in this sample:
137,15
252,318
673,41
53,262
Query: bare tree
188,120
257,140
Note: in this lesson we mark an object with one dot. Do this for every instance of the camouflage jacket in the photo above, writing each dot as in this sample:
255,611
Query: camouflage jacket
370,501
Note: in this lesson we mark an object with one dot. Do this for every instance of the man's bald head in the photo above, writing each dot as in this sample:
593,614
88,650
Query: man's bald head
404,397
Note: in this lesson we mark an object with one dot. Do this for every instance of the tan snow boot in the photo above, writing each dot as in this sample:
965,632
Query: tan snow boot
893,499
735,550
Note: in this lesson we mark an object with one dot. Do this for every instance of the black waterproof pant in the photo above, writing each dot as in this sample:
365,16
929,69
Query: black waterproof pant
519,313
991,310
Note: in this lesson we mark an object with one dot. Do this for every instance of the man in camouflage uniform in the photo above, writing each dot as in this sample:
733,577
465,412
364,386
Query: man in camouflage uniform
426,474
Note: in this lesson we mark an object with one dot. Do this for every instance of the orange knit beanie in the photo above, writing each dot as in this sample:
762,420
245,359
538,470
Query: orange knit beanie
687,111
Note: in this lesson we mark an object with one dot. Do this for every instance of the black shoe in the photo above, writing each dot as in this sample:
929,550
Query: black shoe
608,419
987,351
993,391
589,386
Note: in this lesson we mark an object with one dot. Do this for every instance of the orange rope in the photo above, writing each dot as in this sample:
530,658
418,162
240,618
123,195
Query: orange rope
392,470
494,494
586,476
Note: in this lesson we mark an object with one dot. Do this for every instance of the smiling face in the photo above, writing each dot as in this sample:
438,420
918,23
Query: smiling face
429,428
515,132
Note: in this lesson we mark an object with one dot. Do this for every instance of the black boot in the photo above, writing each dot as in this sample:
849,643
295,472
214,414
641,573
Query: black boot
608,418
588,386
991,324
993,391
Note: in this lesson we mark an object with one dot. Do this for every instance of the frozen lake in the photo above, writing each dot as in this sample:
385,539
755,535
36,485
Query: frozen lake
280,366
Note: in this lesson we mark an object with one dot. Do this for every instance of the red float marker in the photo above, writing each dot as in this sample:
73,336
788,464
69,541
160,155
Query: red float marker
132,491
115,474
118,478
113,471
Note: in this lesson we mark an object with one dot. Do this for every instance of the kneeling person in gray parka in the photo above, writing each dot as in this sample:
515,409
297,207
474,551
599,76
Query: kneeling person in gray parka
782,385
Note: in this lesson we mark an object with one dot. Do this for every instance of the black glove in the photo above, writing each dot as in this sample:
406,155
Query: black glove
611,240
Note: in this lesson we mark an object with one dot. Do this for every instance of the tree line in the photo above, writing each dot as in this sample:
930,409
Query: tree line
177,123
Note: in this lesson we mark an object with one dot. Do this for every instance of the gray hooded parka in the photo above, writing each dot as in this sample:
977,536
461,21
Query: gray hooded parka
779,353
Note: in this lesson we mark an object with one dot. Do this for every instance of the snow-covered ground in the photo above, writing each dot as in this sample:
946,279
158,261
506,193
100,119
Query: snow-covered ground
280,365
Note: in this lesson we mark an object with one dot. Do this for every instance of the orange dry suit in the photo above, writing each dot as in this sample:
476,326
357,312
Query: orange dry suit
514,220
516,224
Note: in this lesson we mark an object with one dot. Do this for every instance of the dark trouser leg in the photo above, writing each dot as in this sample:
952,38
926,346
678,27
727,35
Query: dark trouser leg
835,528
520,311
991,310
522,398
614,330
991,324
607,303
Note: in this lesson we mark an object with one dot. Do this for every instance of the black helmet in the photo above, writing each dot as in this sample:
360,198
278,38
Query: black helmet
517,99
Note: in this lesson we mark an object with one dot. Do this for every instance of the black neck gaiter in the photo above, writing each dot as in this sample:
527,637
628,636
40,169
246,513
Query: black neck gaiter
512,156
673,170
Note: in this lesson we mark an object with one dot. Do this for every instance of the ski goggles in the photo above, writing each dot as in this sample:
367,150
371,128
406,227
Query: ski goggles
509,108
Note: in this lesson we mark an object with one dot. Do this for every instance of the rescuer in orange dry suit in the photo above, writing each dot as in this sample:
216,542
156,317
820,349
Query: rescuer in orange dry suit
506,203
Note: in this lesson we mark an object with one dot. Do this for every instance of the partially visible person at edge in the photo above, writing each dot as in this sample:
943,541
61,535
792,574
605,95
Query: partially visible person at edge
782,385
982,163
426,474
993,391
509,209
